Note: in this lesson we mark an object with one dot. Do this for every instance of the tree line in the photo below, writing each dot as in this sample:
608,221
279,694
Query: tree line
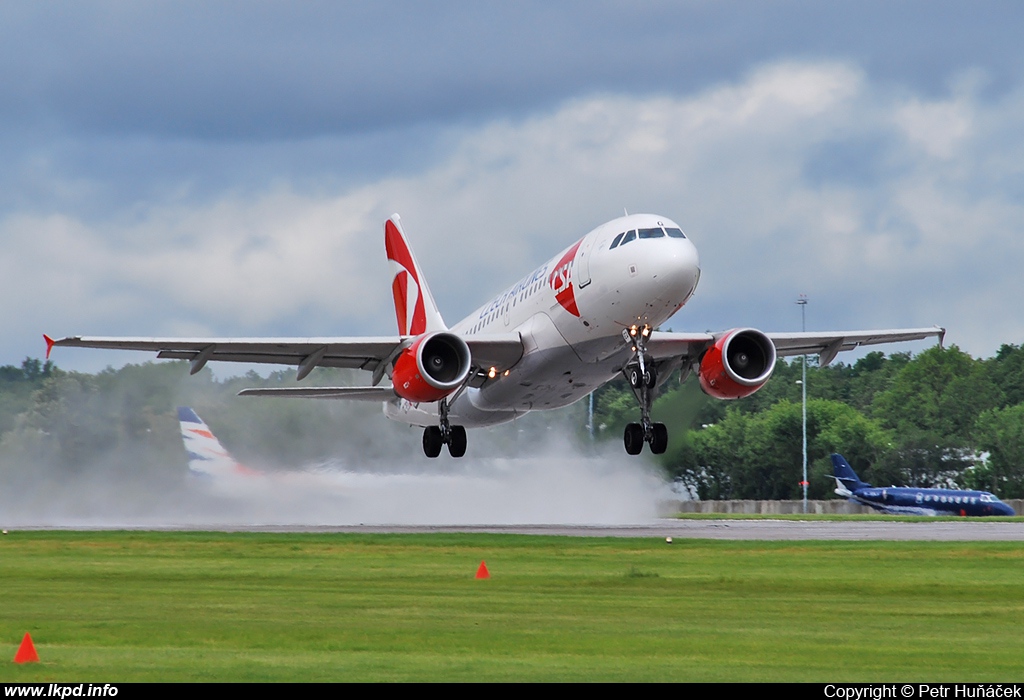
935,419
941,418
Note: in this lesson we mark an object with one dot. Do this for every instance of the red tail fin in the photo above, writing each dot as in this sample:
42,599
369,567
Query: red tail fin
414,305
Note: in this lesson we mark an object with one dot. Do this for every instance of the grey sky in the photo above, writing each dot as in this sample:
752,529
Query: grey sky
225,168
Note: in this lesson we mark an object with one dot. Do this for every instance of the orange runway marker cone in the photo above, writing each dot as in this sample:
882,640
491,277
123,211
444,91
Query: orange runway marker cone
482,572
27,651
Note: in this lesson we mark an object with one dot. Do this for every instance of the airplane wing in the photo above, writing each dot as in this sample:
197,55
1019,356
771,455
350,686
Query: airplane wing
826,345
662,345
370,353
351,393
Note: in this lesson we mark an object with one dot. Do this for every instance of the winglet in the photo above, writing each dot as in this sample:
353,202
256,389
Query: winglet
49,344
942,336
414,304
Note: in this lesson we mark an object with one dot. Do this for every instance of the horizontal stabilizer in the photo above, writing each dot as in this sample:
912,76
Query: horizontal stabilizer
351,393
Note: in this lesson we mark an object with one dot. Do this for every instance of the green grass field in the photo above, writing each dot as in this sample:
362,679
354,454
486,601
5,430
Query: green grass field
115,606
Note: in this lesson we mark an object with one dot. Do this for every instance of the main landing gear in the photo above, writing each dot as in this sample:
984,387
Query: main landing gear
434,436
642,376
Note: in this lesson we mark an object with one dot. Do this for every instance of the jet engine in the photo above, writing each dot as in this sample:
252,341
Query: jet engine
737,365
434,366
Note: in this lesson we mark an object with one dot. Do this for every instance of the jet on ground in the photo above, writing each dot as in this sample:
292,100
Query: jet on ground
577,321
897,500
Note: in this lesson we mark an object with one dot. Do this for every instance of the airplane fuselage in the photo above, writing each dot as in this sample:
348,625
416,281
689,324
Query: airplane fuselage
897,500
570,312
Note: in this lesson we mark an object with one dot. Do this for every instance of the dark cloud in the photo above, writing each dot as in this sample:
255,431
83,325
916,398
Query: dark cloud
105,105
145,146
251,71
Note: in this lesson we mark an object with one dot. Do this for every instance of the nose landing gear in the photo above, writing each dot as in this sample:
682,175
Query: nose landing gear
642,376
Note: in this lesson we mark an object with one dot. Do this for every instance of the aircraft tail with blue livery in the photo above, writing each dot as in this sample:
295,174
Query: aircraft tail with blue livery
206,456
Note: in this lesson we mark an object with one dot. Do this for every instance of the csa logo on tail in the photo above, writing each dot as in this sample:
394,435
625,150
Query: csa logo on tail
561,281
405,285
414,305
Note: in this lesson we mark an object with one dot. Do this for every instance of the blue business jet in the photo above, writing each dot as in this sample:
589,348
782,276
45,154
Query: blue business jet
909,501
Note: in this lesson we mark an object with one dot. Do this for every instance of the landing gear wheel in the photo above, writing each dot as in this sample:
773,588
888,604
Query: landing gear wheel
650,378
432,441
633,438
659,438
635,378
642,374
457,441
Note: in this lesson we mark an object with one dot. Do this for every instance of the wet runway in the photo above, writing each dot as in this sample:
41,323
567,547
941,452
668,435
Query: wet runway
745,530
943,531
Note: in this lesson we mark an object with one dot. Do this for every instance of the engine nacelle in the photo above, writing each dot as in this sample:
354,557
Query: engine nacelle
434,366
737,365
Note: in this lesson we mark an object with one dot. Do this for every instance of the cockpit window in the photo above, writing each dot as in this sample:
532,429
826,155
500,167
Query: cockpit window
651,233
630,236
616,241
675,232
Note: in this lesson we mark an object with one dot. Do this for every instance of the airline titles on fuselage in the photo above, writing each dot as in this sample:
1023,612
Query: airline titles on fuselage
519,292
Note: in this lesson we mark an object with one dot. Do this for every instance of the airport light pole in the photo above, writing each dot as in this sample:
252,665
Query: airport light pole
802,302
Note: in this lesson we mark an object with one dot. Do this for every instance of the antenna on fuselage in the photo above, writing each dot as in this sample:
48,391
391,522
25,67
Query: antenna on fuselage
624,211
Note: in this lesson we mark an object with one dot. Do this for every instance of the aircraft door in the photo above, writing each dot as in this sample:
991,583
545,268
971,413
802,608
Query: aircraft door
583,262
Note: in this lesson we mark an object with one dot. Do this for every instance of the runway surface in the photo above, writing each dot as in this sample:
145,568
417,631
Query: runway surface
746,530
944,531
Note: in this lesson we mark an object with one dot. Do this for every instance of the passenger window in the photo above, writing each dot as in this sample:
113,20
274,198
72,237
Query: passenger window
630,235
616,241
675,233
651,233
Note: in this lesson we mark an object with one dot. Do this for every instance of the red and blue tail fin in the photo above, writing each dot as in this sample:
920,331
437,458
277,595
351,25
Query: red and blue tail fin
206,456
414,304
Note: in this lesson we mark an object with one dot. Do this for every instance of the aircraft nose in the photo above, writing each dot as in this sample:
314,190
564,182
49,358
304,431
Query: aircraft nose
677,266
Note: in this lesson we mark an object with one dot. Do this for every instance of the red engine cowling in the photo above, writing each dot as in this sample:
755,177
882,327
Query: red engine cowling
435,365
737,365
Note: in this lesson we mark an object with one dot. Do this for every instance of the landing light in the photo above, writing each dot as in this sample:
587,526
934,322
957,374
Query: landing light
492,373
506,373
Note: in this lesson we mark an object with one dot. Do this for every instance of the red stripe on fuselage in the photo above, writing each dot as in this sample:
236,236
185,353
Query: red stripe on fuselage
560,280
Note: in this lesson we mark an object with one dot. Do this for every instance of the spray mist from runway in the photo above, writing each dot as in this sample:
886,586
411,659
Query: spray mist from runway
556,484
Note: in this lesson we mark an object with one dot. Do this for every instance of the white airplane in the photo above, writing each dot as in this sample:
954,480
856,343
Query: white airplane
573,324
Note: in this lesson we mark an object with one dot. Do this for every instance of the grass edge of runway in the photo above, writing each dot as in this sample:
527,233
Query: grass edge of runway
115,606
